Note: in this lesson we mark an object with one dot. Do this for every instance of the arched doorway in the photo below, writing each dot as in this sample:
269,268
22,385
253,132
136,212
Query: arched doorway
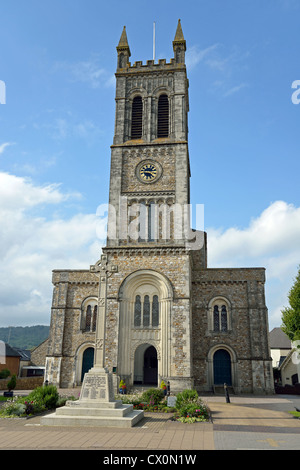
145,298
150,366
222,367
145,365
87,361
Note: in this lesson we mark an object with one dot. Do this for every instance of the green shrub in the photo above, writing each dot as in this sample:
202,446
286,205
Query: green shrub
19,409
4,374
186,397
45,396
190,408
12,407
153,396
12,383
40,399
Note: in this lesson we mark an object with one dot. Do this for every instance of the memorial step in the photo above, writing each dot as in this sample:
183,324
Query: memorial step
105,421
94,411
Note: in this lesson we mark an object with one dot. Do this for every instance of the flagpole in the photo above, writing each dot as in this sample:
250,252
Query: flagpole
154,41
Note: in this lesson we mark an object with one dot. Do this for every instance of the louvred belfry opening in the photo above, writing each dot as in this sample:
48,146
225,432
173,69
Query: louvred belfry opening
163,117
137,118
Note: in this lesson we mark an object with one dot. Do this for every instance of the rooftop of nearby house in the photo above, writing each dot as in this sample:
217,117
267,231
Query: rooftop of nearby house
279,340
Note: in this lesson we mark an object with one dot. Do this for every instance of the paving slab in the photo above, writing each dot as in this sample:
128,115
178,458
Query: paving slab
247,422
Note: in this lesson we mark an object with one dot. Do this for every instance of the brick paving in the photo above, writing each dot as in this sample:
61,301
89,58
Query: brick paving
155,431
246,422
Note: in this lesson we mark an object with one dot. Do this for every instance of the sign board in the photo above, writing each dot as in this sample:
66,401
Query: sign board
171,401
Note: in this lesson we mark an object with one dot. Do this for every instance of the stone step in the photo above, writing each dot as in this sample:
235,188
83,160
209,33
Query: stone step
94,404
105,421
89,411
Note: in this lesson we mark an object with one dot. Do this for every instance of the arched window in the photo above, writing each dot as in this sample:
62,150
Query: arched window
137,118
163,116
146,311
216,318
155,311
220,318
219,311
137,311
89,315
224,319
88,318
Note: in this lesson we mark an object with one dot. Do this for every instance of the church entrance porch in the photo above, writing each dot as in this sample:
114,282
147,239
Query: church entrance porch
145,365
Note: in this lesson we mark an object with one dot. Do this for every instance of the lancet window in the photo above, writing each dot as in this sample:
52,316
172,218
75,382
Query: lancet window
89,315
163,116
146,311
137,118
220,315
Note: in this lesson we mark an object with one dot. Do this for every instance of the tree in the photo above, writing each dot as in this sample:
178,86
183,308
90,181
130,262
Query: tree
12,383
291,315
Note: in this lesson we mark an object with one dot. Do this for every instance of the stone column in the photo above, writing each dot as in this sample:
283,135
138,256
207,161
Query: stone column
55,346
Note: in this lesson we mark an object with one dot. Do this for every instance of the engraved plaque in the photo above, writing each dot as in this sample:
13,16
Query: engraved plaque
96,387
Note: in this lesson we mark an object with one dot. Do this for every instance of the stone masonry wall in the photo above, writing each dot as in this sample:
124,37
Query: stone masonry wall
71,288
247,336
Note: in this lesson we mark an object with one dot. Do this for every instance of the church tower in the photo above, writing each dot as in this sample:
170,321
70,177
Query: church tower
148,337
149,157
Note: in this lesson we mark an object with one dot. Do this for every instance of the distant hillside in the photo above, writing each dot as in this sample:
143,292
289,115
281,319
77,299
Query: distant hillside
24,337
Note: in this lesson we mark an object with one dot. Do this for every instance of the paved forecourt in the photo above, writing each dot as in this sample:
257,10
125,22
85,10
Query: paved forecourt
245,423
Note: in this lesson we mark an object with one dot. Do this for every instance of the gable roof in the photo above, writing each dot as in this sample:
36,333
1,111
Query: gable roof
10,351
279,340
24,353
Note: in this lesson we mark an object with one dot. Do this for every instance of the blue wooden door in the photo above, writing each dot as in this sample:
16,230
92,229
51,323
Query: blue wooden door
222,368
87,361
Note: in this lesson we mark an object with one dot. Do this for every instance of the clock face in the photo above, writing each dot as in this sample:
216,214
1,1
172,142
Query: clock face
148,172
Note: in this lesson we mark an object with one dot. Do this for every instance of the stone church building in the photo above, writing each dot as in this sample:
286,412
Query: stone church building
167,315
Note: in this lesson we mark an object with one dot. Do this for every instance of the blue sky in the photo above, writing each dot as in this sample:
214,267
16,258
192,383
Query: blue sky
58,60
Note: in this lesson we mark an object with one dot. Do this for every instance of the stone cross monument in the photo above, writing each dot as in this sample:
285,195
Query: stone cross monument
97,384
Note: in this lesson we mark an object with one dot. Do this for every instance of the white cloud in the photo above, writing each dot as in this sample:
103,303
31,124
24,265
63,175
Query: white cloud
194,55
69,126
31,246
234,89
87,71
271,241
225,65
19,193
3,146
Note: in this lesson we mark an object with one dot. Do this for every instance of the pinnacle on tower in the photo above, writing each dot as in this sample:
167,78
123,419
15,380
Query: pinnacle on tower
123,50
123,43
179,45
179,38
